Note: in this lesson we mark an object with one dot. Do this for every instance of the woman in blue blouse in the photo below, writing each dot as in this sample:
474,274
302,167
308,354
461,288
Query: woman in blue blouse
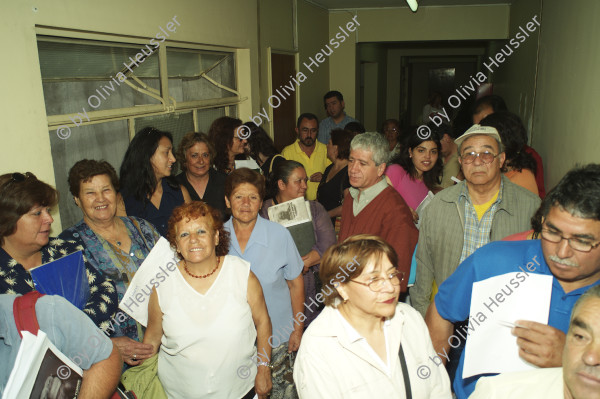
25,221
275,261
116,246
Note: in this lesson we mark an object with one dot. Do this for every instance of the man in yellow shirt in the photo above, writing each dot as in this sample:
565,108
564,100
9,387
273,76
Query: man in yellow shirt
309,152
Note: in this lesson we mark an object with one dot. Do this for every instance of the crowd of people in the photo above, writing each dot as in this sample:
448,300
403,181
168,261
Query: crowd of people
248,312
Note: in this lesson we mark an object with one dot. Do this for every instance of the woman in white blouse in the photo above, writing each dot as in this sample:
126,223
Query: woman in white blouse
207,315
365,344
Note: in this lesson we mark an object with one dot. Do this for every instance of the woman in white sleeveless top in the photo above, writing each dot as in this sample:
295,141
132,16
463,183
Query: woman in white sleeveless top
207,315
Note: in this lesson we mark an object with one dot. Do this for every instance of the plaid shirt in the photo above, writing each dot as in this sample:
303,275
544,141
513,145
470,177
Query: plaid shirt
477,232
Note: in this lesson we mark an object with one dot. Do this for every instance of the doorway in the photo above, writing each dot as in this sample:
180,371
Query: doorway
283,67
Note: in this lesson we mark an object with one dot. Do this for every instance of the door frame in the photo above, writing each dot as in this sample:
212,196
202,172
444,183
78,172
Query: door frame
271,50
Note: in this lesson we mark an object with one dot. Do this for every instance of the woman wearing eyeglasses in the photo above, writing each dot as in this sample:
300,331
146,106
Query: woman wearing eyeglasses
25,220
365,344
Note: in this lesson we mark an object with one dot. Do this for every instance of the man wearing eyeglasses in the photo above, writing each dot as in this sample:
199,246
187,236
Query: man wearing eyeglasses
484,207
569,223
309,152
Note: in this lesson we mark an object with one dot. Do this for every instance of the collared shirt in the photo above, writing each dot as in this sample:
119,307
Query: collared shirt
334,364
354,336
364,197
274,259
453,300
317,162
328,124
67,327
477,232
544,383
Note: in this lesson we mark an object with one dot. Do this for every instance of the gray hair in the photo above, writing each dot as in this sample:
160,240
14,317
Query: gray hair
593,292
375,143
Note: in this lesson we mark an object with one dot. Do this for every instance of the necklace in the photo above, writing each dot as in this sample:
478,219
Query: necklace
205,275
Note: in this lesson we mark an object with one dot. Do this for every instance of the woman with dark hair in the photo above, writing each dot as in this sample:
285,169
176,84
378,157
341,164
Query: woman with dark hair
229,141
275,261
335,182
288,182
149,192
392,132
418,168
205,319
115,246
203,182
519,166
25,242
365,344
262,149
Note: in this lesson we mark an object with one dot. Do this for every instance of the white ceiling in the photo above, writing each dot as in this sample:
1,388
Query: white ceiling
353,4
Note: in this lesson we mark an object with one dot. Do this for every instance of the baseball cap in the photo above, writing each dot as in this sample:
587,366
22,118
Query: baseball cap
478,129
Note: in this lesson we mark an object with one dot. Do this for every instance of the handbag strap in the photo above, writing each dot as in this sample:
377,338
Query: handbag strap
405,373
24,312
273,159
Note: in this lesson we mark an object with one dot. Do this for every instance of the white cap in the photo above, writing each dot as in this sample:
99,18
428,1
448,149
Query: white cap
476,130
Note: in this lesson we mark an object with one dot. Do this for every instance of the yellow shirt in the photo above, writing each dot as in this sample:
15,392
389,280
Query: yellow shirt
316,163
480,209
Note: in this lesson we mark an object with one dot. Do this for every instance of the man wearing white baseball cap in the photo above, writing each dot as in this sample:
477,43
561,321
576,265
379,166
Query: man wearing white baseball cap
484,207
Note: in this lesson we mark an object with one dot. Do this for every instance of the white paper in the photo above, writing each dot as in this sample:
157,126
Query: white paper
491,348
31,355
160,264
290,213
423,205
246,163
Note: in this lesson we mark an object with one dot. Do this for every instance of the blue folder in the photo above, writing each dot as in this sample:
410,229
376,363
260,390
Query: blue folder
66,277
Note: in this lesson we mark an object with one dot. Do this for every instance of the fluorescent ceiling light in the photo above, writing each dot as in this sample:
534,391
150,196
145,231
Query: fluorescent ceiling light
413,5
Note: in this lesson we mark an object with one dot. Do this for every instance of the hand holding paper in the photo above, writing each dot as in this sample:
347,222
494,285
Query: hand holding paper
540,344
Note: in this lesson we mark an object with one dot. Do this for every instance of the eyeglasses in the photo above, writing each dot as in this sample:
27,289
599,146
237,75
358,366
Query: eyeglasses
486,157
17,178
378,283
575,243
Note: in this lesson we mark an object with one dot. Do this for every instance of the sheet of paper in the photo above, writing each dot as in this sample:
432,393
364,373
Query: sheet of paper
159,265
495,304
246,163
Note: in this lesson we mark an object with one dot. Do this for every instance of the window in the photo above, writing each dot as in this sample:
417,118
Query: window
98,92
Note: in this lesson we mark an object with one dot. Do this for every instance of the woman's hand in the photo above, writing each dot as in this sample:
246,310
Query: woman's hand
310,259
262,382
131,349
294,342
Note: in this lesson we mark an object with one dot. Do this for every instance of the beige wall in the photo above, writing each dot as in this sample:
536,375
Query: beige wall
566,118
227,23
400,24
515,79
313,35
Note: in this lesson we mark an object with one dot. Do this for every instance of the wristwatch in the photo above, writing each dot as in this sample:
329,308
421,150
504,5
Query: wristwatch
266,364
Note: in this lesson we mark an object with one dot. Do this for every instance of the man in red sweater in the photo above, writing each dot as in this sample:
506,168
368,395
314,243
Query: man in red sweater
373,207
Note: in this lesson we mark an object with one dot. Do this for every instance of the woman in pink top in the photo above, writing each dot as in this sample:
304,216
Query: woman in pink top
417,169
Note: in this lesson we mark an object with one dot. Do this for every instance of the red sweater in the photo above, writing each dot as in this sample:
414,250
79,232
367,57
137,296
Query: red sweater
539,173
388,217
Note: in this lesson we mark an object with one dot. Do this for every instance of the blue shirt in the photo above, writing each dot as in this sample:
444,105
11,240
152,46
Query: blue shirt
68,328
328,124
453,301
273,259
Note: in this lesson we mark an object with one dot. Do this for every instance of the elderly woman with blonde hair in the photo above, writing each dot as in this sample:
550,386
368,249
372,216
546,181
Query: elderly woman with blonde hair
365,344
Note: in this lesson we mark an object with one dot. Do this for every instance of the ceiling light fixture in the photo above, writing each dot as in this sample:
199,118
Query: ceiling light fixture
413,5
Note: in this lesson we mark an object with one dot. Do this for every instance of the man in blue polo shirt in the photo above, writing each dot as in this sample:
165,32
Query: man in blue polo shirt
569,223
